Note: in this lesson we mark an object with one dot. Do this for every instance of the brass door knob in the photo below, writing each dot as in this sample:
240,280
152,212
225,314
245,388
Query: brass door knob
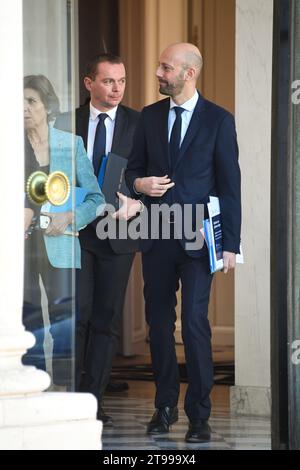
54,188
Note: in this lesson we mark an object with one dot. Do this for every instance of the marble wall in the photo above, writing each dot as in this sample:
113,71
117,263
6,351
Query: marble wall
254,21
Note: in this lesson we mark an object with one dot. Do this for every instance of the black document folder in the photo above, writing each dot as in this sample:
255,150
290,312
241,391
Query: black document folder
114,179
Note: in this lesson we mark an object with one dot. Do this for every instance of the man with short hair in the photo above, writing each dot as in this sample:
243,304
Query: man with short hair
102,281
185,150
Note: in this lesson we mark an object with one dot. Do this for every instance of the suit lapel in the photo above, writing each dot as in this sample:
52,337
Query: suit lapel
163,129
120,129
61,152
56,148
82,123
197,123
61,145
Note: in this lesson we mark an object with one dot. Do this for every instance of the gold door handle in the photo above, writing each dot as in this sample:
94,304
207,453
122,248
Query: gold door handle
54,188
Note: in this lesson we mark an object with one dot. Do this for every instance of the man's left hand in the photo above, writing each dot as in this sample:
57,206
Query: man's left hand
229,261
59,223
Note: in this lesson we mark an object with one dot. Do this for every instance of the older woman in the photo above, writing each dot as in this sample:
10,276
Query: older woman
50,254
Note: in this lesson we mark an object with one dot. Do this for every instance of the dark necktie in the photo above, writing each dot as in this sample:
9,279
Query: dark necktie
99,143
175,138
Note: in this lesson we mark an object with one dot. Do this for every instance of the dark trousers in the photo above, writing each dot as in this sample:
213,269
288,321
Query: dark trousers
163,266
58,287
101,287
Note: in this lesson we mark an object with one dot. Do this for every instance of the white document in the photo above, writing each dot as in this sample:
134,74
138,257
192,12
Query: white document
213,236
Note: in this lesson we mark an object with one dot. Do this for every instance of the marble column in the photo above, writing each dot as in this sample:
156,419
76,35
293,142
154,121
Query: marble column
29,419
254,25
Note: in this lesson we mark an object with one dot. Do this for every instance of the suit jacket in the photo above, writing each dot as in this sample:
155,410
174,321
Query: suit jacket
64,251
125,125
207,164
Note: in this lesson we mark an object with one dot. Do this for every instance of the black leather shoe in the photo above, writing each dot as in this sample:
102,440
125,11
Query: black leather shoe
162,420
116,387
198,432
101,416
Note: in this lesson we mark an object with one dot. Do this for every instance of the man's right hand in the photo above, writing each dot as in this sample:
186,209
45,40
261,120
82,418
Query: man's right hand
154,186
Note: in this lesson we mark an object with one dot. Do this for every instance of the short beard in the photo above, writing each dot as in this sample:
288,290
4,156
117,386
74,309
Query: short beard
173,89
167,89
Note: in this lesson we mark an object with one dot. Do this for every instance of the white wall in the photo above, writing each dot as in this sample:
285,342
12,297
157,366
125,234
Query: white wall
254,25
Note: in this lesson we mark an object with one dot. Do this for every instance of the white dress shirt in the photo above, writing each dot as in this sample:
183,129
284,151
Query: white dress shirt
186,116
110,127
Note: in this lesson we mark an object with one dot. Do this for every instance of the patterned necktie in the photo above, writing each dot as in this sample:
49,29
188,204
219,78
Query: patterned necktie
174,144
99,143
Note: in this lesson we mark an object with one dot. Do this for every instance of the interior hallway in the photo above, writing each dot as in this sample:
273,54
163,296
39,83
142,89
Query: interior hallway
132,410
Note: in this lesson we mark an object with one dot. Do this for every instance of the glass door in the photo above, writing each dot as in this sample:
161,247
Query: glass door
285,229
52,251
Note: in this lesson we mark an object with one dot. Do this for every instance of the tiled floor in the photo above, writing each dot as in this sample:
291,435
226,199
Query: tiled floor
132,410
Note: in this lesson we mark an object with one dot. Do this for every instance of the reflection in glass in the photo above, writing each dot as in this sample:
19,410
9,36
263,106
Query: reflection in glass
48,273
52,249
42,271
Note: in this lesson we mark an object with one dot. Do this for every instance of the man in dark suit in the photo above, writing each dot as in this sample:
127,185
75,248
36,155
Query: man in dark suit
102,281
184,151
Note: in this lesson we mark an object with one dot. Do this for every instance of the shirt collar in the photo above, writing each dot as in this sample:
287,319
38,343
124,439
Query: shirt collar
188,105
94,113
